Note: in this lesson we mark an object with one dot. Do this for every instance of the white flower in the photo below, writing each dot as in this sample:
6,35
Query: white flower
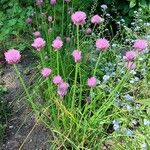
106,77
129,97
146,122
116,125
133,72
114,45
128,132
104,6
122,20
128,107
144,146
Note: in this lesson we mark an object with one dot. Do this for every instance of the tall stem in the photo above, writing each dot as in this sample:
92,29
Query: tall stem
94,73
75,85
62,27
25,88
78,37
54,22
94,27
57,62
42,58
95,69
36,18
76,70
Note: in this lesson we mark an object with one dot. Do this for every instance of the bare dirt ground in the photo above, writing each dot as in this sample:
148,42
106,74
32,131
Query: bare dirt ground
22,131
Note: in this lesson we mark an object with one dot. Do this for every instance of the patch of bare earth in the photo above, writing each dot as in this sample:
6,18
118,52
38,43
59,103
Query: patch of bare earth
23,131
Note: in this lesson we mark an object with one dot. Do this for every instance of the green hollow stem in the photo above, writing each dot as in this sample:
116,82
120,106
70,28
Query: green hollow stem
61,66
57,57
62,27
110,100
78,37
76,71
96,65
75,84
94,72
42,58
94,27
36,18
43,65
25,88
81,88
54,22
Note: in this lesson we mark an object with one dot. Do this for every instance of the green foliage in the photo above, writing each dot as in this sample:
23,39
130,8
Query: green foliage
145,102
144,3
12,21
125,8
81,5
82,119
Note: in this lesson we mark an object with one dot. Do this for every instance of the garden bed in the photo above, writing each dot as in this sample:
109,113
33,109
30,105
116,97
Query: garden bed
77,79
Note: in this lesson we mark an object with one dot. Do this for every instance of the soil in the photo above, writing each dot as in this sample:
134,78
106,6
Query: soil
22,121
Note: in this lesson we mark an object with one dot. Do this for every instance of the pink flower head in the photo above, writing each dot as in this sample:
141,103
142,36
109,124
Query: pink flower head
53,2
130,65
97,19
78,18
130,55
37,34
57,80
49,18
140,44
62,89
88,31
12,56
57,43
102,44
104,7
91,82
29,21
46,72
38,43
39,2
76,55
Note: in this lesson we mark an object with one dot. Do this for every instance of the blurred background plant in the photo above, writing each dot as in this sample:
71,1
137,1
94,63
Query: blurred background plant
13,15
125,9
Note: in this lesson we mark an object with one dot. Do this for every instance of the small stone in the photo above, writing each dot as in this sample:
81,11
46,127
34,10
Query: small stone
11,145
10,127
104,148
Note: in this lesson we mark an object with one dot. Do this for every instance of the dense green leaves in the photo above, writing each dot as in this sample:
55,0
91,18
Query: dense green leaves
124,8
13,17
145,102
132,3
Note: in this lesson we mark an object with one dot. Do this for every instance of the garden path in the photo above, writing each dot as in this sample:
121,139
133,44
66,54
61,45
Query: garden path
22,121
